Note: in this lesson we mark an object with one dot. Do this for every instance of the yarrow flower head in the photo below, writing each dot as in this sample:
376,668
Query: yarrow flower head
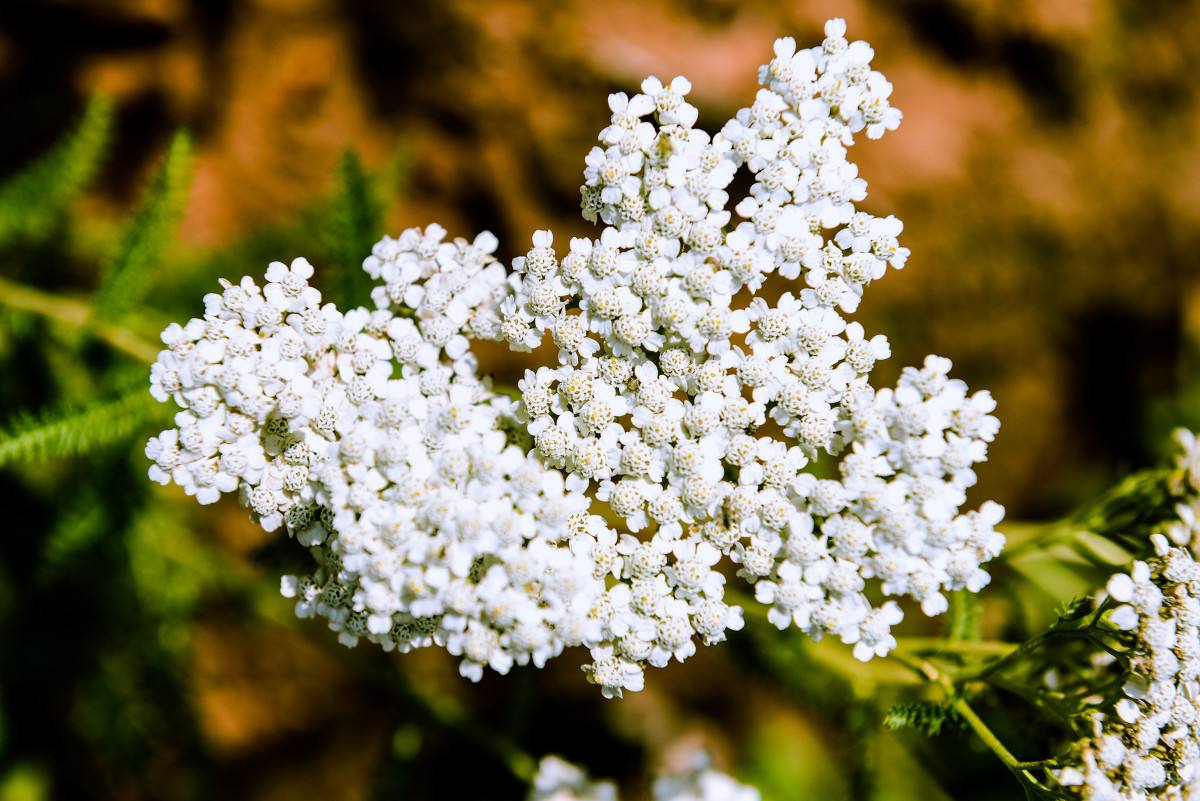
1185,485
372,442
1145,744
440,512
693,413
1143,740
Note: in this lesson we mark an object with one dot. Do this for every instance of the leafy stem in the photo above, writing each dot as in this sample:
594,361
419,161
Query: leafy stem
957,699
1020,767
937,645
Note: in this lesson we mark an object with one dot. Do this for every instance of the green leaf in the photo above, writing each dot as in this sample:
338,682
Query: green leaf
128,273
75,430
926,717
355,223
32,200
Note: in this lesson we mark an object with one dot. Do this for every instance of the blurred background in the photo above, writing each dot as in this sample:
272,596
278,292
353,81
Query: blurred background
1048,177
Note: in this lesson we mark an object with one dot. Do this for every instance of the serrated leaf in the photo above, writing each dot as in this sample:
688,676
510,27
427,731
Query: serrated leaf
31,200
129,270
1074,609
355,223
73,431
926,717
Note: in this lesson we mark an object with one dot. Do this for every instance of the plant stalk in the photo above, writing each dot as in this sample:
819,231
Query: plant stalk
77,314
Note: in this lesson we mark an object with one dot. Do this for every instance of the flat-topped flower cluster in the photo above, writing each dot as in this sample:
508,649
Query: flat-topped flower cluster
690,407
1142,681
1146,743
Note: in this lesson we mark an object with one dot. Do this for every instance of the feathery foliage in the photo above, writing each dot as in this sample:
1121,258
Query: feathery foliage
1073,610
74,430
925,716
128,272
34,198
355,223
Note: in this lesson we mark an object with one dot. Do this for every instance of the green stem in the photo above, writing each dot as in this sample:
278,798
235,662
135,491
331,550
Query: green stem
77,314
984,733
1042,536
1019,768
993,742
1012,656
937,645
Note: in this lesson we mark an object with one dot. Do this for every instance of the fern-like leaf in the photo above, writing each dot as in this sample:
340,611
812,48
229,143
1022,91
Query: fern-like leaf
925,716
355,222
128,273
31,200
75,430
1072,611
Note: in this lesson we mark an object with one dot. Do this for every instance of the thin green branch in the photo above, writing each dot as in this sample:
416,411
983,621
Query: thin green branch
988,737
956,699
76,314
965,619
935,645
985,734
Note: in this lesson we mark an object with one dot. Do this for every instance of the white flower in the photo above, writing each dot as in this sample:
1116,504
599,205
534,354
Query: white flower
669,104
443,513
288,288
1148,738
613,674
558,780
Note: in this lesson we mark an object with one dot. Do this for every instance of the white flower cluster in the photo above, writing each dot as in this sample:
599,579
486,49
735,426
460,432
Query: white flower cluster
370,438
558,780
440,512
1185,485
1146,745
693,412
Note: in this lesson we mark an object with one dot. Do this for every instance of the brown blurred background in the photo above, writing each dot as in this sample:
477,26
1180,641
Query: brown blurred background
1047,173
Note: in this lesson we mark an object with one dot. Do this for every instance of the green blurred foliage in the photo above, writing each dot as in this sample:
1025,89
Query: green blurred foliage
33,200
103,578
126,276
